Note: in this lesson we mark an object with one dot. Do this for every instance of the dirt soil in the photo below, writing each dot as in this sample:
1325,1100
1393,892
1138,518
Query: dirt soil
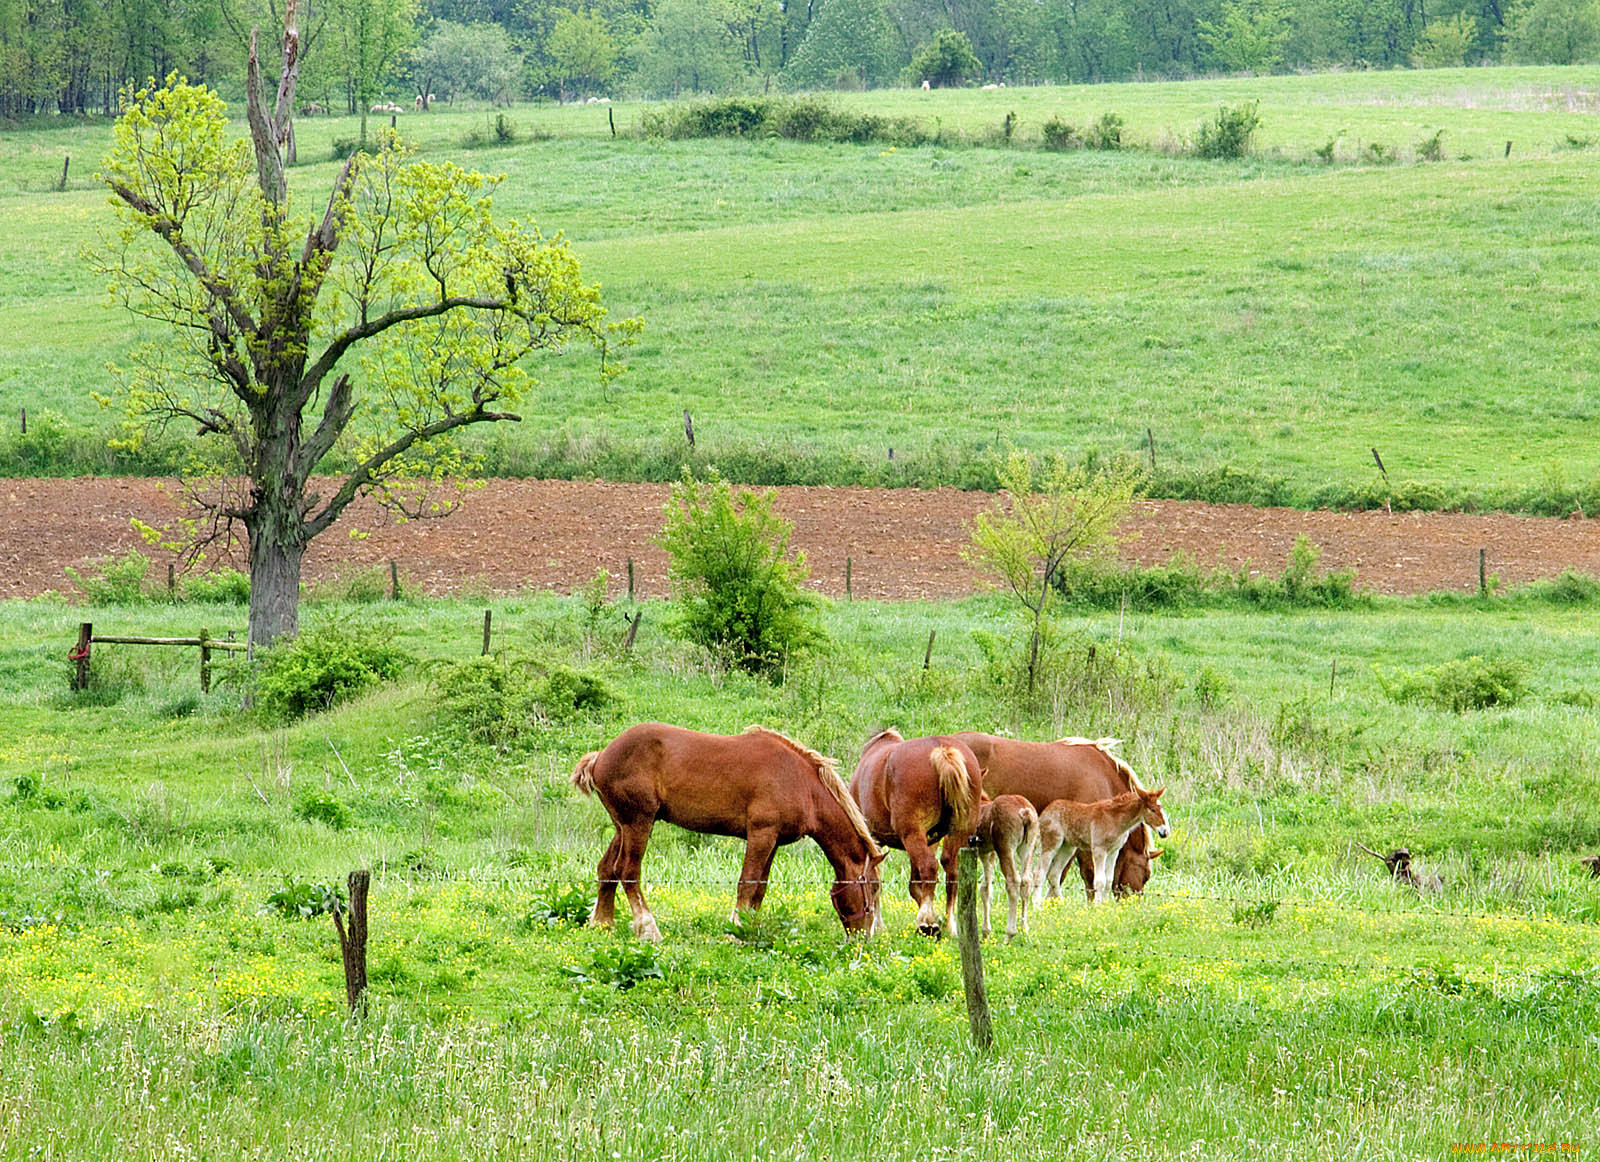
530,534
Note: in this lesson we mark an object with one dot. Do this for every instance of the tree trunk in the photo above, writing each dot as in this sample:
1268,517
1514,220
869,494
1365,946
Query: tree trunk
276,553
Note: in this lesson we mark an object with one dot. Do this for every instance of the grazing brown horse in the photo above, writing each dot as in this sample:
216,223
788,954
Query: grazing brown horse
912,794
1080,769
1008,832
1097,830
758,785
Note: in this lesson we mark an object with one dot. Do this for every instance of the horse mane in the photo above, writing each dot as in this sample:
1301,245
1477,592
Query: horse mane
827,771
891,732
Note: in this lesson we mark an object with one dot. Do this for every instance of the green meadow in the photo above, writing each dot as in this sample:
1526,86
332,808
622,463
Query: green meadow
1267,321
1272,993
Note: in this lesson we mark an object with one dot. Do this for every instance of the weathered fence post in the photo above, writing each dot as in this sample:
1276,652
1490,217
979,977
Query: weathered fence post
80,677
488,615
172,582
927,654
394,582
688,426
353,942
65,162
630,578
972,950
205,660
1151,436
1483,575
849,594
633,631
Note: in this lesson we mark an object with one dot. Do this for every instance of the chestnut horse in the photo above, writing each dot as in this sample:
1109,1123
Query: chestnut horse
912,794
759,785
1097,830
1079,769
1008,831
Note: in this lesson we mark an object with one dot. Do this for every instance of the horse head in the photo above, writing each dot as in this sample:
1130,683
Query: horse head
1154,814
855,894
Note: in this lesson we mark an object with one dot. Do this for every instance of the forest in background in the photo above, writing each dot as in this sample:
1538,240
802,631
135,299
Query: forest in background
76,56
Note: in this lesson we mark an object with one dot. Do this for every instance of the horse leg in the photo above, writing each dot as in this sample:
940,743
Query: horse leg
605,900
1087,870
635,836
950,857
760,845
924,881
1104,862
1008,868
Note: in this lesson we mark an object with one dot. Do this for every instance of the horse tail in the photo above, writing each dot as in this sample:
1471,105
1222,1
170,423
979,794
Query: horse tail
959,792
1029,846
583,776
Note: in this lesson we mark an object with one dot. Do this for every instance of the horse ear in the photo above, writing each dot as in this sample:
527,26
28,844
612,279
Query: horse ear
875,860
1156,853
1158,792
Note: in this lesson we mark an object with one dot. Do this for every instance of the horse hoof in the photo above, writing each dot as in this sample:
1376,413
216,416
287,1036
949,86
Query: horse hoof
933,930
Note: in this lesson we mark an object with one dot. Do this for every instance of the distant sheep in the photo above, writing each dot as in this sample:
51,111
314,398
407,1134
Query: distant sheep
386,107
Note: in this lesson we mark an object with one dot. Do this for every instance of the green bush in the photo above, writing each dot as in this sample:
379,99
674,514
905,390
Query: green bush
1106,133
1059,135
322,667
945,62
120,580
792,118
1228,134
499,700
1473,683
223,587
735,586
319,806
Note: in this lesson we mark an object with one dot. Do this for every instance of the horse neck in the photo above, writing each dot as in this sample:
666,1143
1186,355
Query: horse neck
841,844
1125,812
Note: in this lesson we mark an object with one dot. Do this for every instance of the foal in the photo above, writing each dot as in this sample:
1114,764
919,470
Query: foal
1099,829
1008,831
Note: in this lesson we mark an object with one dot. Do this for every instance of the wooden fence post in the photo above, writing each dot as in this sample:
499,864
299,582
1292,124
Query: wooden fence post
630,578
849,594
972,950
488,614
394,582
633,631
205,660
1483,575
688,427
353,942
80,677
927,654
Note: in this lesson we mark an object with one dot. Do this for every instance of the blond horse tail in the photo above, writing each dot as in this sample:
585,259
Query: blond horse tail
583,777
1030,845
959,792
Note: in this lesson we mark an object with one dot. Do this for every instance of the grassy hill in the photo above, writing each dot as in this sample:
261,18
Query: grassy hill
1269,321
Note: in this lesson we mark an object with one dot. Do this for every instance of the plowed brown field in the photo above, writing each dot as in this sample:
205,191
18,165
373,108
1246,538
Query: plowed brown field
522,534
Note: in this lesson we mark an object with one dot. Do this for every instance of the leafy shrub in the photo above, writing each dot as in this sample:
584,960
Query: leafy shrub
1473,683
1059,135
1569,588
322,667
560,905
1378,153
1106,133
1257,914
1431,148
621,965
1212,689
318,806
222,587
792,118
303,901
1299,585
735,586
499,700
120,580
1228,134
343,147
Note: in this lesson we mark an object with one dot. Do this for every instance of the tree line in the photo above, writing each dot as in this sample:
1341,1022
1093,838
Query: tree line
76,56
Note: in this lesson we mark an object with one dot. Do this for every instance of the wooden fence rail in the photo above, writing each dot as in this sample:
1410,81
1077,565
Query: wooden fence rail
87,638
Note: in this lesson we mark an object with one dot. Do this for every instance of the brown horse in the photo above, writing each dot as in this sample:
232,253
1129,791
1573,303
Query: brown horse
1008,832
912,794
1097,830
758,785
1079,769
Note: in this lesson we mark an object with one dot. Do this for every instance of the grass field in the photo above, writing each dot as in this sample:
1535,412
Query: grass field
1272,994
814,305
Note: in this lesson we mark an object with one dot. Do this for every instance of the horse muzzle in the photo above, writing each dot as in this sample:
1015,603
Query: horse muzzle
1163,831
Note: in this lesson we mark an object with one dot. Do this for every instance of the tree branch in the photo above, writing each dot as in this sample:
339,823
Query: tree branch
366,330
370,470
170,232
